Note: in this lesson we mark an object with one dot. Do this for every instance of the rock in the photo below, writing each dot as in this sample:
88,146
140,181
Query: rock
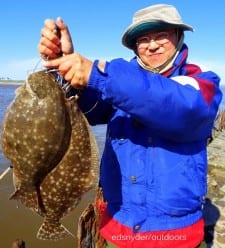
214,209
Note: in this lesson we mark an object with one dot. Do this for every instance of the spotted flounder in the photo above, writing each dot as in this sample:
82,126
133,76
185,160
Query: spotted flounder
35,134
71,178
52,150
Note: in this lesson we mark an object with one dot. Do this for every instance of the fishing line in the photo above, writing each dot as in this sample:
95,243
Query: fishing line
5,172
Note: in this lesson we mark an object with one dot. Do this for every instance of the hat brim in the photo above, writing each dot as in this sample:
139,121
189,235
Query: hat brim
129,37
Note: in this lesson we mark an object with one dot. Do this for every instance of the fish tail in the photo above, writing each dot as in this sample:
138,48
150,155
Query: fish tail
53,231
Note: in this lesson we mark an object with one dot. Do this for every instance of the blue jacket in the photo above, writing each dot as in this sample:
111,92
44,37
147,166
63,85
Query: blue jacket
154,165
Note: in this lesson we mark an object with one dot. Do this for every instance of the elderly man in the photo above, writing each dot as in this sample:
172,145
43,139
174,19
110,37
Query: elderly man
159,112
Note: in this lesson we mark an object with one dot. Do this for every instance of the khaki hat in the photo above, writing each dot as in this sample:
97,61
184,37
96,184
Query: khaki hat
155,17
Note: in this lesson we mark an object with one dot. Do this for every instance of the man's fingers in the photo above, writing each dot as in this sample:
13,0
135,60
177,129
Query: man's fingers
50,24
51,35
52,63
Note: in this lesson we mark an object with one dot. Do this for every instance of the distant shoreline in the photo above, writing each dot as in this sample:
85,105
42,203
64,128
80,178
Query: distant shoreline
11,81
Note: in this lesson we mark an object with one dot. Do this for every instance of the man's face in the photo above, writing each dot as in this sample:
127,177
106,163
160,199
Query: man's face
155,48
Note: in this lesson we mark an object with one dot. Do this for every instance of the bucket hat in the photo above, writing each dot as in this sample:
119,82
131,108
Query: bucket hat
155,17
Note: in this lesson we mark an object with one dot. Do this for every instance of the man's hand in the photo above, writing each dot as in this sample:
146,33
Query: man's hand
74,68
55,39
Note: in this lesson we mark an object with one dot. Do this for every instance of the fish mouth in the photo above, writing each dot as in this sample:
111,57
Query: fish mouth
66,86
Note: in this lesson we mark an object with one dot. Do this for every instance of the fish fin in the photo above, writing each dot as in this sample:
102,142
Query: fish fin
95,157
28,199
53,231
73,206
15,195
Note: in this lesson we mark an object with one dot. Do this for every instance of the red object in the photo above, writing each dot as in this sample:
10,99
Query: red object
123,237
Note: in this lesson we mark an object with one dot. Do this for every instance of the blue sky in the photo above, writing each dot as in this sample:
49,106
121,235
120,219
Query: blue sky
97,26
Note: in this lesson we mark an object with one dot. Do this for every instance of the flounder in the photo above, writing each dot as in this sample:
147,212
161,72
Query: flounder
52,149
35,134
75,174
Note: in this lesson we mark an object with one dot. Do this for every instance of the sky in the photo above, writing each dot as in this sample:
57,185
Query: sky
97,26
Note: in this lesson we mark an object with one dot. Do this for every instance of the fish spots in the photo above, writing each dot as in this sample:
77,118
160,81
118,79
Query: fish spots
28,139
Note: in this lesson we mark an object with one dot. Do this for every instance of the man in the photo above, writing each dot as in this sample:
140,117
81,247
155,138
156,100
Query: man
160,111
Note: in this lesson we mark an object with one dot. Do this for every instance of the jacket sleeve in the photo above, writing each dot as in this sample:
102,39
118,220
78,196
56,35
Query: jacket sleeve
182,108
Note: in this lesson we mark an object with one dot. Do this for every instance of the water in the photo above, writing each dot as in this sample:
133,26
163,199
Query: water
222,105
6,95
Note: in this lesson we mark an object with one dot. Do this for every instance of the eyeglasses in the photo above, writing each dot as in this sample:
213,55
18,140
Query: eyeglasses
160,38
